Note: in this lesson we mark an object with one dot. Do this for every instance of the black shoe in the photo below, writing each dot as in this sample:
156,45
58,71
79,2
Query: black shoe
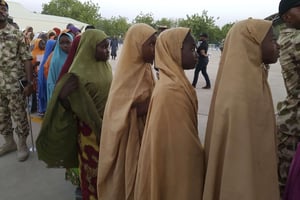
206,87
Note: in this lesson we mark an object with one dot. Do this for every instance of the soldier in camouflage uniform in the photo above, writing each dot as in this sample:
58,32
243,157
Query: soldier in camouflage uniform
288,116
15,64
288,119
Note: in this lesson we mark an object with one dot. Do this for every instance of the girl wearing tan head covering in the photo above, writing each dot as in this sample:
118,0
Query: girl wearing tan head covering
240,149
122,127
171,159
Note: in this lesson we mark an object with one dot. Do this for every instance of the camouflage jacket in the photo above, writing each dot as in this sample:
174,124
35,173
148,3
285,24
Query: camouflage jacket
12,55
288,118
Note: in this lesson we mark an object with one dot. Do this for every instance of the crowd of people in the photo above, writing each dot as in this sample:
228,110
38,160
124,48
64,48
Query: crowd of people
131,136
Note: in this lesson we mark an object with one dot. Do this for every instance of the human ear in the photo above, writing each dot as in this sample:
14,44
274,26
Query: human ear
286,17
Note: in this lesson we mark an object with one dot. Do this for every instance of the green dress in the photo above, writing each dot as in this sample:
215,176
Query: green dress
80,135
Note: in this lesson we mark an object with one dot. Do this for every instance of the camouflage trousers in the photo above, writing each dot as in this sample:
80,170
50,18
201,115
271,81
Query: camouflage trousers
13,106
287,146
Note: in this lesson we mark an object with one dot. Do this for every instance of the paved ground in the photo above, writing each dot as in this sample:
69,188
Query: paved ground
31,180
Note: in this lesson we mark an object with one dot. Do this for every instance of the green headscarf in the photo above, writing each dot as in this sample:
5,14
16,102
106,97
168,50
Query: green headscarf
95,75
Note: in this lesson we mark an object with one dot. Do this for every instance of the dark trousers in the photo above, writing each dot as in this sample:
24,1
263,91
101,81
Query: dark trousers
201,66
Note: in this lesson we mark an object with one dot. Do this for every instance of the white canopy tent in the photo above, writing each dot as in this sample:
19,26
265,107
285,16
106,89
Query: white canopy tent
39,22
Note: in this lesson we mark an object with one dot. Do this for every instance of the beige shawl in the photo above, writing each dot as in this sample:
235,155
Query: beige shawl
171,159
240,149
122,130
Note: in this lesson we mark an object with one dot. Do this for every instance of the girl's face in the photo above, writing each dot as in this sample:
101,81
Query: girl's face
270,48
65,43
102,51
42,44
148,49
188,52
30,29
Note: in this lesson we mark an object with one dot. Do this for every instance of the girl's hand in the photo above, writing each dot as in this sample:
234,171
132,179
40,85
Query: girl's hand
70,86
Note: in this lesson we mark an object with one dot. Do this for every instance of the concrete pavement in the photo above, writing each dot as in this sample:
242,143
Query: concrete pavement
31,180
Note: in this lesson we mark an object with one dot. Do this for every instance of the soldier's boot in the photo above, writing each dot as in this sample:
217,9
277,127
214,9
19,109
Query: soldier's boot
9,145
23,151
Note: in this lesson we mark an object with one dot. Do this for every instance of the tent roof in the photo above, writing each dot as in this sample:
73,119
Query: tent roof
39,22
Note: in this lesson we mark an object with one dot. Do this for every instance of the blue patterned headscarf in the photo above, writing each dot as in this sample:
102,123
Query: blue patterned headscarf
58,59
42,80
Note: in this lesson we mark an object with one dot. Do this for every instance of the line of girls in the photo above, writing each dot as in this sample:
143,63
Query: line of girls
133,137
49,52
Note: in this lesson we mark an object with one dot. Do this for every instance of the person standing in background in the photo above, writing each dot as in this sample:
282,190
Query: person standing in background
71,55
37,56
28,35
114,43
42,79
202,62
60,53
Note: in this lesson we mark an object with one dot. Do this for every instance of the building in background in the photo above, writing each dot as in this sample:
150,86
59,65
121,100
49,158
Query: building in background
39,22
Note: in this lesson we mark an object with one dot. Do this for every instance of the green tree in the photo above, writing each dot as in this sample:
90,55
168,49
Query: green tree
86,12
115,26
145,18
166,22
226,28
104,24
202,24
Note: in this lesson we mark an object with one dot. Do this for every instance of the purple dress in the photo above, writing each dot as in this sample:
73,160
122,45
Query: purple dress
292,189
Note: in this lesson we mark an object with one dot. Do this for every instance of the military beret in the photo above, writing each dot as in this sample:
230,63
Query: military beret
285,5
3,3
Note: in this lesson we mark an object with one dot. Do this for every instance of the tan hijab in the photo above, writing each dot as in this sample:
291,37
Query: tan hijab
122,129
240,144
171,159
